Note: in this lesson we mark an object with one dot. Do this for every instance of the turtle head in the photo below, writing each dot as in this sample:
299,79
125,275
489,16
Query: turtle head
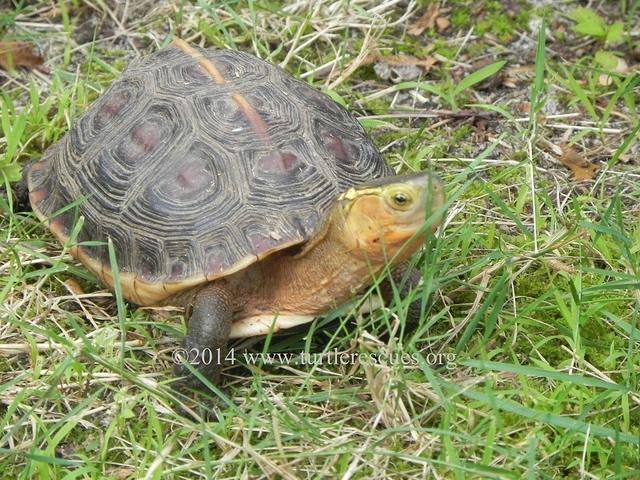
390,216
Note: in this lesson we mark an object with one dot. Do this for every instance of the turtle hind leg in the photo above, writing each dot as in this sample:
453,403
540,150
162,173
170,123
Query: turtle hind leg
205,345
19,191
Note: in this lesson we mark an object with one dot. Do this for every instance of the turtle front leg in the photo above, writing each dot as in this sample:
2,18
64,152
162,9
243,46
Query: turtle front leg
405,278
20,191
205,345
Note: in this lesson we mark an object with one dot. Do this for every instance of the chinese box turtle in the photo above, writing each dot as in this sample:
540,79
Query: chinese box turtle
227,186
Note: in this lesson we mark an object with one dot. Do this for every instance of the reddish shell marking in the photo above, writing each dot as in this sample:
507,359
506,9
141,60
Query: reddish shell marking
216,264
112,107
260,243
216,260
60,225
146,269
41,165
177,269
193,177
143,139
115,103
336,145
36,196
146,135
185,184
279,162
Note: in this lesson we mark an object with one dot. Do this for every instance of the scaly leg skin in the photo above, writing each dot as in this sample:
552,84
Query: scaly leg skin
405,278
205,346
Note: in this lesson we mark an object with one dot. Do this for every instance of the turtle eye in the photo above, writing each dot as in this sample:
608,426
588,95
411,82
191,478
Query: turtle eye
400,199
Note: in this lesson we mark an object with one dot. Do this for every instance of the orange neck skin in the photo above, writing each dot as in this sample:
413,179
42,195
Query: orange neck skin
327,273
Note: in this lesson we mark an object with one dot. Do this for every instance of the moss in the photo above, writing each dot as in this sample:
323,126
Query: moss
384,136
475,49
519,156
523,17
413,46
460,144
545,12
445,50
598,338
460,17
502,24
497,24
535,283
462,133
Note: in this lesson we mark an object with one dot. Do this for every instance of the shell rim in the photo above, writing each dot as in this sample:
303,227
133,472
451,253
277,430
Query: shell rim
136,289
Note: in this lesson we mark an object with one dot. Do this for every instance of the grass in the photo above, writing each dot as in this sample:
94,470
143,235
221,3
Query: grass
526,363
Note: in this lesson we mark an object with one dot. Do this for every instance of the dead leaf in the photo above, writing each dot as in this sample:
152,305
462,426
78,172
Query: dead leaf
123,473
559,266
581,168
434,16
427,20
442,23
52,13
19,54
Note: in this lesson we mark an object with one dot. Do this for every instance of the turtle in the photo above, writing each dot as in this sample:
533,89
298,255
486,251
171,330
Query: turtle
221,184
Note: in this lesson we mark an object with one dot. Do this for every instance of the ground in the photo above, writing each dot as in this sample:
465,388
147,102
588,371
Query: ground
526,363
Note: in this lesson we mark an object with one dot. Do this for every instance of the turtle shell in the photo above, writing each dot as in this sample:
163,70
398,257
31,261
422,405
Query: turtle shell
195,164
